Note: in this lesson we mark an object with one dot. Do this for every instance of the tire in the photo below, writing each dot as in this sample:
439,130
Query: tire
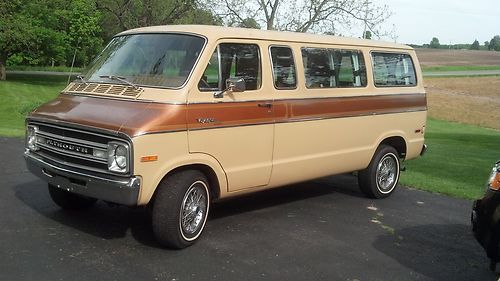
68,200
380,178
181,195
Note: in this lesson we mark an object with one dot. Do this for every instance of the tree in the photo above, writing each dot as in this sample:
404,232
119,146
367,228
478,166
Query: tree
494,43
475,45
487,45
435,43
249,23
46,32
324,16
16,32
120,15
367,35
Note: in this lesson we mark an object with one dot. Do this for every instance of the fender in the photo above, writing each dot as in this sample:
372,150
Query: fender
179,162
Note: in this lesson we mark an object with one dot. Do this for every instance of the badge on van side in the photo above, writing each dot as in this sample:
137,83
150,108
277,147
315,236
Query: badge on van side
205,120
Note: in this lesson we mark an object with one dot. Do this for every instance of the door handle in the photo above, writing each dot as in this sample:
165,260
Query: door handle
267,104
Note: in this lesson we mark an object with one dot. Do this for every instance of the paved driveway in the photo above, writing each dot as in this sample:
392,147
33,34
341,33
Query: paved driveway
319,230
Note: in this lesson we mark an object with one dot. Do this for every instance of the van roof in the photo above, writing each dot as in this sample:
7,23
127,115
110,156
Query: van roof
218,32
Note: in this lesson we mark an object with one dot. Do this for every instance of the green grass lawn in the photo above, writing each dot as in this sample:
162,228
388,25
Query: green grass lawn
458,162
22,93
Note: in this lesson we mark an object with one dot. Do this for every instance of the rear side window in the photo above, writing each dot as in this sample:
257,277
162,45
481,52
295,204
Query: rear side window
391,69
284,74
231,60
333,68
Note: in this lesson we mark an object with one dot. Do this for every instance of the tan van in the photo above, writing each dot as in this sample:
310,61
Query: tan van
176,117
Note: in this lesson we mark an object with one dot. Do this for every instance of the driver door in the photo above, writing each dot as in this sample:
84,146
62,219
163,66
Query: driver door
236,128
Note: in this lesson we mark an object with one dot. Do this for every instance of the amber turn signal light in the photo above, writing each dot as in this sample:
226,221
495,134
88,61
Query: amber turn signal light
495,181
149,158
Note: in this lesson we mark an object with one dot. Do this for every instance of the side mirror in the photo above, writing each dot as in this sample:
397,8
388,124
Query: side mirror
235,84
232,85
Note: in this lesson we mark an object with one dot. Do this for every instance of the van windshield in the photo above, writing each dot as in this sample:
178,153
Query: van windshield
158,60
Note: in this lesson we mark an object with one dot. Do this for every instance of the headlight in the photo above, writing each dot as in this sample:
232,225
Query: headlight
118,157
31,137
494,180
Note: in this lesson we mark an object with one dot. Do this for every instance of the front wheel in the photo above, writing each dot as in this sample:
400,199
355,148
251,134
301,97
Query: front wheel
381,176
180,209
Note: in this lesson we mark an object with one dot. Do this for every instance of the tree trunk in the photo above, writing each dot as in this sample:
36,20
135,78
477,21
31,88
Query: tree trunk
3,74
3,64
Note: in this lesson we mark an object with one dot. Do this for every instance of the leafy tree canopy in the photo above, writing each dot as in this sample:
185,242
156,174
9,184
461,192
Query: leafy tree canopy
475,45
434,43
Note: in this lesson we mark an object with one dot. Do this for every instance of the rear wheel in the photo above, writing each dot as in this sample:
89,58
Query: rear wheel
381,176
68,200
180,209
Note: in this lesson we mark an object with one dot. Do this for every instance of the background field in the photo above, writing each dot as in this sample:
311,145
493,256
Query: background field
469,100
465,58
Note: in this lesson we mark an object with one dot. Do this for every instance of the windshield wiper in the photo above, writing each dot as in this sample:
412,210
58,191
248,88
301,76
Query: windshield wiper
80,77
121,79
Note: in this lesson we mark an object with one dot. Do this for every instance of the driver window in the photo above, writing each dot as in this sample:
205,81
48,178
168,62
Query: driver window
210,79
231,60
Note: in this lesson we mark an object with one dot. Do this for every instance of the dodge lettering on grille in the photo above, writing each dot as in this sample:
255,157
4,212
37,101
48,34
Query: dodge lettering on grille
67,146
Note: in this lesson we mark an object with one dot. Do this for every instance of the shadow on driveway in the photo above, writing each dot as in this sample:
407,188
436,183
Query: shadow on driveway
441,252
113,222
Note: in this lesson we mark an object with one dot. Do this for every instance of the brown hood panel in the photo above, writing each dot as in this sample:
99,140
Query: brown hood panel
130,117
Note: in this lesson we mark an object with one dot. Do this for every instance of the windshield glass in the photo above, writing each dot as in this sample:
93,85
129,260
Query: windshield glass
162,60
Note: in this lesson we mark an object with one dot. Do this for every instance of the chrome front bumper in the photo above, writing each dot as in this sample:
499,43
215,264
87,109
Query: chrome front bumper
124,191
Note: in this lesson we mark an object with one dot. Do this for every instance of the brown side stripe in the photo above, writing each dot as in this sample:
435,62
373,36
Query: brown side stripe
250,113
137,118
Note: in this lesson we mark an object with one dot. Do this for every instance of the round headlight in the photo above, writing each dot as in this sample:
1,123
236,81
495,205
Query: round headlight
118,154
31,138
121,156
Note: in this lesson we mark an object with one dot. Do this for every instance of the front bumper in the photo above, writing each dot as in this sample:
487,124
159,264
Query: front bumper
121,191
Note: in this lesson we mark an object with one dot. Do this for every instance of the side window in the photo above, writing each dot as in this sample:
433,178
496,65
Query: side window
231,60
318,68
210,81
351,68
391,69
284,73
333,68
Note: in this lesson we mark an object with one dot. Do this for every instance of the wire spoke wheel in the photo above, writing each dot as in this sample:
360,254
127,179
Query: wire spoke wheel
181,209
381,176
194,209
386,173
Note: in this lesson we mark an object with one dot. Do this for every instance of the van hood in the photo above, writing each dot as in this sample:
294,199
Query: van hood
131,117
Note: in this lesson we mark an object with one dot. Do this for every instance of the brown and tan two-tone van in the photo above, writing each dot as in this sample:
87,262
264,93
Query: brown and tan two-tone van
176,117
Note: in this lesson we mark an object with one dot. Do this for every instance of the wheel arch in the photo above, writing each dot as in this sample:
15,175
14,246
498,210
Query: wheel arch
210,167
398,142
213,182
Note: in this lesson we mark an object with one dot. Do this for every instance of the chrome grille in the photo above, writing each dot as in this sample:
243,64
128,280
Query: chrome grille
73,147
104,89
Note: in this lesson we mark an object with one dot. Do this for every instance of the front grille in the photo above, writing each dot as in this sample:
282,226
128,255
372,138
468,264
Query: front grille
73,147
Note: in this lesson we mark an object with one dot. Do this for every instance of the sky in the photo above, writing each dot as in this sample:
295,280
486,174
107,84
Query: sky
451,21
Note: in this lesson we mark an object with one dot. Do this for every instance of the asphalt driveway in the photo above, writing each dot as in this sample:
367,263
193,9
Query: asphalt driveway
319,230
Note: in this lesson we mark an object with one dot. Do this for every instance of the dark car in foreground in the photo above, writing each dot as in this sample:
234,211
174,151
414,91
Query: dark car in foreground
486,218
